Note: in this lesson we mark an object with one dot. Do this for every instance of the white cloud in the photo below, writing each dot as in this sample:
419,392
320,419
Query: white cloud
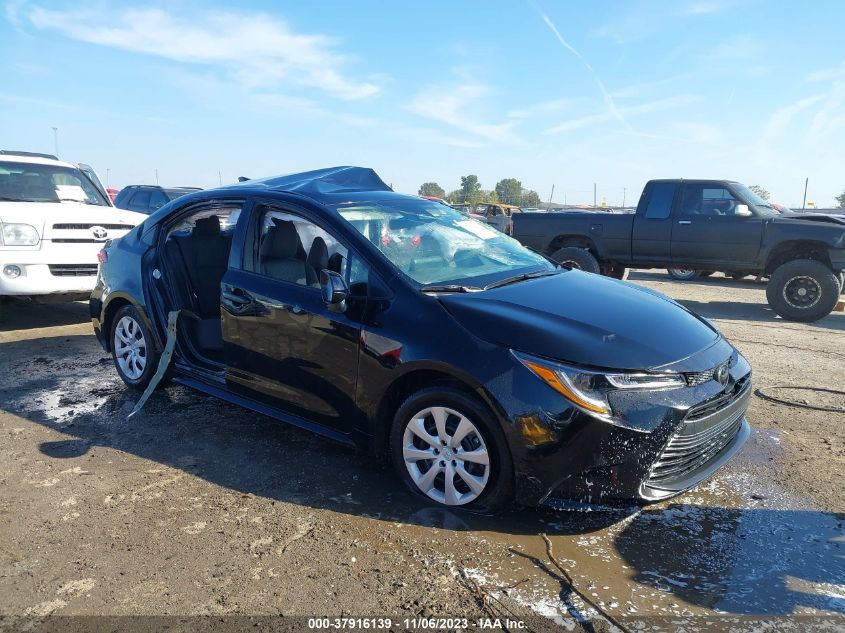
660,105
614,111
454,106
779,121
258,50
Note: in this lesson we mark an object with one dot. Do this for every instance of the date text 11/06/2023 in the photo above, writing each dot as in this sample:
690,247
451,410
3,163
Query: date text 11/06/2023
417,623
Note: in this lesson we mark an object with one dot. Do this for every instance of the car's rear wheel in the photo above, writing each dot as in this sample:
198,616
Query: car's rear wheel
577,257
803,290
682,274
444,447
133,350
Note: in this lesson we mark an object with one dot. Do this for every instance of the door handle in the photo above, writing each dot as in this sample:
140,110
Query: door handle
684,222
236,297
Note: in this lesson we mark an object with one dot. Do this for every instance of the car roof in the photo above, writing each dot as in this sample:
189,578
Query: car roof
34,159
331,185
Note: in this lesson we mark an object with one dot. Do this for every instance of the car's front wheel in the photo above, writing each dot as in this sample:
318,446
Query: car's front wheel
803,290
133,350
444,446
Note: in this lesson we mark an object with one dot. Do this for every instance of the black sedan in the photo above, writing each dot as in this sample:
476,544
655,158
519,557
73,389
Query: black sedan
487,373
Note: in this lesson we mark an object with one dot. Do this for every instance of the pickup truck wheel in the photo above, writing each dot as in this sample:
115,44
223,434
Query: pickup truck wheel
682,274
803,290
842,283
577,257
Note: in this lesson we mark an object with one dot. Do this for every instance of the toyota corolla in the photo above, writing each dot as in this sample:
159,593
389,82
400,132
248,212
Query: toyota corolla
488,374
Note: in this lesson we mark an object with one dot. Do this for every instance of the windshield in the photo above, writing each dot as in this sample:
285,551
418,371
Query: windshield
31,182
760,206
435,244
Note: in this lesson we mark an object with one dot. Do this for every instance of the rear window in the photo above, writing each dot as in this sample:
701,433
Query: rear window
660,200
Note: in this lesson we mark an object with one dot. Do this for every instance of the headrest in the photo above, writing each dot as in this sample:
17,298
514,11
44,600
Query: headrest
207,226
318,256
281,241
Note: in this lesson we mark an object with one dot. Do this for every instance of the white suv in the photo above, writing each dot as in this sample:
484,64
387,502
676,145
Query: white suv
54,219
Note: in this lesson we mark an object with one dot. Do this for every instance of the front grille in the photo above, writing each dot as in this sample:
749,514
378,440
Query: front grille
71,240
705,432
73,270
700,377
108,227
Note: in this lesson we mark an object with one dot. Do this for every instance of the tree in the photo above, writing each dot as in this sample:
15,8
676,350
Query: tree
470,189
455,197
840,200
509,190
530,198
431,189
490,197
760,191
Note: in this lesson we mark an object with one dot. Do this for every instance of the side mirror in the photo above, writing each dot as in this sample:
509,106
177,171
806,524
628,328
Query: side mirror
334,290
743,211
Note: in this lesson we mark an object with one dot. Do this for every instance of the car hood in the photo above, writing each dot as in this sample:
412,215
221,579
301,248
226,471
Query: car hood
791,218
43,215
584,319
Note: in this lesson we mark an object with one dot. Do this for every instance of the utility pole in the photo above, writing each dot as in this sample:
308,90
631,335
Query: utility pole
156,175
624,191
804,204
56,140
551,195
220,177
594,195
107,177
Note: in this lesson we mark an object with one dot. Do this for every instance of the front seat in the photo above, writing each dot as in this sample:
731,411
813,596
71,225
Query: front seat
282,255
318,259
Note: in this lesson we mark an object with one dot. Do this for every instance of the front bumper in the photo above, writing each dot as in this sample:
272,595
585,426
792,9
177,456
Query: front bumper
677,439
51,269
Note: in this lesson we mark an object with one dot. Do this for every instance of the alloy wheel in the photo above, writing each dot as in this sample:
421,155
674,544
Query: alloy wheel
446,456
130,347
802,292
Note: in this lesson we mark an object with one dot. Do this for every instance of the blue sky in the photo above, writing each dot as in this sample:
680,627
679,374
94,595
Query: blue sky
563,93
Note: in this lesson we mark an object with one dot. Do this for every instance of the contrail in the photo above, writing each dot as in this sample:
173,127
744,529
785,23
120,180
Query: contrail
608,99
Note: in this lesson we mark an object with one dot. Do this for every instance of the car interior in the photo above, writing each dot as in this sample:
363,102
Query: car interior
197,253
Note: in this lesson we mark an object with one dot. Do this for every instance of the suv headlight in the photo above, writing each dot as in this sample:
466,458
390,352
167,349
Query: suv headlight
588,389
19,235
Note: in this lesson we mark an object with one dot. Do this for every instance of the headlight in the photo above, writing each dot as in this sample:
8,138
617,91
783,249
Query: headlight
588,389
19,235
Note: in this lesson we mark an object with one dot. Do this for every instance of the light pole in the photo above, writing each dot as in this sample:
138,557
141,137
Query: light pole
56,140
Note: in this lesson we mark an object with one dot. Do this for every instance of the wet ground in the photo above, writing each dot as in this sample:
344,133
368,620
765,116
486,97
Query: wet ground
198,507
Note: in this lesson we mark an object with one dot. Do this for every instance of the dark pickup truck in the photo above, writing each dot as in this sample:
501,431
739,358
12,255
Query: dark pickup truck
704,225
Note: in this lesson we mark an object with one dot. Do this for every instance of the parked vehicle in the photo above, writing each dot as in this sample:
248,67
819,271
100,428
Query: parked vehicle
704,225
398,324
149,198
54,217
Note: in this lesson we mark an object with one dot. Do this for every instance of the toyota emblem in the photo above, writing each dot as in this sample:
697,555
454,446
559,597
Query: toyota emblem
99,232
721,374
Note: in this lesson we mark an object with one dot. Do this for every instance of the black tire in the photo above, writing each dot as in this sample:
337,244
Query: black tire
841,283
498,492
577,257
803,290
618,272
682,274
150,355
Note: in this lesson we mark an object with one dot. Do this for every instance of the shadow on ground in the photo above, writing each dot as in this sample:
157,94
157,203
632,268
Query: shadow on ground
20,314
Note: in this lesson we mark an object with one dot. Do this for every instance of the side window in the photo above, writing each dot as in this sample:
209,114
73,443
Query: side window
660,201
157,200
704,200
295,250
141,200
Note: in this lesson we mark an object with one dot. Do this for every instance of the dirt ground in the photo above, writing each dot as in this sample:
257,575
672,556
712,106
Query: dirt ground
200,508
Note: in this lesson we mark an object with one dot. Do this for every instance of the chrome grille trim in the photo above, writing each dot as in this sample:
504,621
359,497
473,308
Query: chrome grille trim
701,437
